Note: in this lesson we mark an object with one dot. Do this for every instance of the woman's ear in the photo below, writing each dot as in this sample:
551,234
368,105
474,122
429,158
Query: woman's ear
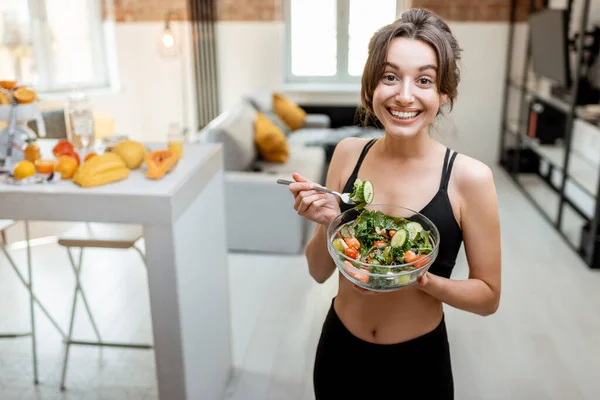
443,99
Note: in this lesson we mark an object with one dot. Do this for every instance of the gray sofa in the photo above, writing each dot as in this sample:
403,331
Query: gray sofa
259,212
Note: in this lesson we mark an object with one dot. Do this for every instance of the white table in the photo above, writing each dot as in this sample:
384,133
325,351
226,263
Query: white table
184,231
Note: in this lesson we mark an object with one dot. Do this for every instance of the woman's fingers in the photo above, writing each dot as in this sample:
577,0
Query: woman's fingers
300,187
299,178
308,201
300,197
320,202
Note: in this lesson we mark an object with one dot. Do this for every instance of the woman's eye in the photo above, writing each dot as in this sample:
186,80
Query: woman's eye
389,78
425,81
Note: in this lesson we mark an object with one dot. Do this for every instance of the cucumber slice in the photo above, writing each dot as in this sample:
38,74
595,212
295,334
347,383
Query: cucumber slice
413,228
347,231
402,280
399,238
368,192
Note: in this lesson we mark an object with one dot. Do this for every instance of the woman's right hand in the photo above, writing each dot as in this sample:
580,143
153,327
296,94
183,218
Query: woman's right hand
316,206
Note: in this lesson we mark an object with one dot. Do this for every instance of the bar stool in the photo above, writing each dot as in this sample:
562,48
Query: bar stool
28,283
96,235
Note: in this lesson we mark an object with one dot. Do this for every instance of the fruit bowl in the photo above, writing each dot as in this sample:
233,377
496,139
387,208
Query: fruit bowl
382,247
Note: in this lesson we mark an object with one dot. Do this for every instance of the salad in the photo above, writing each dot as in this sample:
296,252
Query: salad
386,243
362,193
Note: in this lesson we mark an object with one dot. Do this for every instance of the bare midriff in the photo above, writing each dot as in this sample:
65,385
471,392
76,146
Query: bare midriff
389,317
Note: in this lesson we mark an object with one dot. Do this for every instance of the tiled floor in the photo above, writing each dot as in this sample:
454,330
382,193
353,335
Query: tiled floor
542,344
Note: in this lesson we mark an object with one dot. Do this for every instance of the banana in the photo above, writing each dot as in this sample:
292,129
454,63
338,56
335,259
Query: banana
101,170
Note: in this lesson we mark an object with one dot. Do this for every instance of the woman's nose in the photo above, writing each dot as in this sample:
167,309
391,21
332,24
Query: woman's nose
405,93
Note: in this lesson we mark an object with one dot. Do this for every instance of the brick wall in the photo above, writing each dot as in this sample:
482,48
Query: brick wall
227,10
245,10
271,10
145,10
475,10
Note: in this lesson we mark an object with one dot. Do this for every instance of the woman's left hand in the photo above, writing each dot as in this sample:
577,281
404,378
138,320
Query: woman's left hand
423,280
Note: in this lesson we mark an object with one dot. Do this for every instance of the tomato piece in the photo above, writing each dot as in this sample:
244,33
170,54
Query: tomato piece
352,242
423,260
410,256
356,275
380,243
352,253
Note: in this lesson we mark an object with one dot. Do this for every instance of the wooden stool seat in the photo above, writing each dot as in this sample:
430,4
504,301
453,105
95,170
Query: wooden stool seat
110,236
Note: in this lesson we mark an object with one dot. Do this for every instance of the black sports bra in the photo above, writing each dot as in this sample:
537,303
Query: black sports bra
438,210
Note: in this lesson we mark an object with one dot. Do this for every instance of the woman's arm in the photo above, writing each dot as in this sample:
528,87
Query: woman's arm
320,263
480,293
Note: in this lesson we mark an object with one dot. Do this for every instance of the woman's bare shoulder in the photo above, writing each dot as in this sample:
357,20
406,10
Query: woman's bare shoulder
350,146
347,151
344,158
474,179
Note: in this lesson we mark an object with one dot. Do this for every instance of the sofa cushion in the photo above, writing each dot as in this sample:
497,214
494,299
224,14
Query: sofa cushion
261,99
270,140
290,112
317,121
329,137
235,130
261,106
307,161
276,119
310,137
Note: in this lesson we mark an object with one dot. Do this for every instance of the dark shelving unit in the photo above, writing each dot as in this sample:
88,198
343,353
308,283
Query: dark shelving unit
561,184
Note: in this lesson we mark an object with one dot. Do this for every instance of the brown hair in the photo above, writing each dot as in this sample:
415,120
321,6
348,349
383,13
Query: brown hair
413,24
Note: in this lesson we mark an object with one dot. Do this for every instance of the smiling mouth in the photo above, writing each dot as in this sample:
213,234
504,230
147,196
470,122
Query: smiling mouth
405,116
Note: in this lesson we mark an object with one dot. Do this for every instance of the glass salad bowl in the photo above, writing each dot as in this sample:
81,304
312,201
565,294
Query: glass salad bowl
382,247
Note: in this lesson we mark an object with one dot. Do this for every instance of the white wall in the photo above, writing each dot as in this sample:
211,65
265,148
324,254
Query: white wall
151,93
250,56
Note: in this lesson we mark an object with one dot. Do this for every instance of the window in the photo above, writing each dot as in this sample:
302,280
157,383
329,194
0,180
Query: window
53,45
327,40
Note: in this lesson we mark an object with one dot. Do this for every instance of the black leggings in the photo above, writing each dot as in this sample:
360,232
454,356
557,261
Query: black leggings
347,367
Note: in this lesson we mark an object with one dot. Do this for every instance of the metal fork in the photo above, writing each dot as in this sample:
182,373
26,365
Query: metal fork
344,196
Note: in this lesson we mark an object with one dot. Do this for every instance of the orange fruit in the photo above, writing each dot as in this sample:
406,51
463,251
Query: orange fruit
66,166
4,99
45,166
24,95
89,156
8,85
32,151
23,170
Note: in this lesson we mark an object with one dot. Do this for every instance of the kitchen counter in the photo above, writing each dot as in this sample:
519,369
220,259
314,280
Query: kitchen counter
183,220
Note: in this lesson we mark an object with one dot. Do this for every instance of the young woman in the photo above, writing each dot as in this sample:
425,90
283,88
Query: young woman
392,345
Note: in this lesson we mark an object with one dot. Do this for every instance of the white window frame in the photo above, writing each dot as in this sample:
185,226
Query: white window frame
342,79
104,71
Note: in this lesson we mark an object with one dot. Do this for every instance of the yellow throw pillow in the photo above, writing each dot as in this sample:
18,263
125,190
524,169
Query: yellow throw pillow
270,140
288,111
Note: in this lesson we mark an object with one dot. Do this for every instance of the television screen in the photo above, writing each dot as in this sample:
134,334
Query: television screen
549,46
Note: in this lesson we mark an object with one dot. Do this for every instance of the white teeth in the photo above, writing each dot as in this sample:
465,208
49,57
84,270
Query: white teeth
404,115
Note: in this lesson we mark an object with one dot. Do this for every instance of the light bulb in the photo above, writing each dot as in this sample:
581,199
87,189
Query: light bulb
168,40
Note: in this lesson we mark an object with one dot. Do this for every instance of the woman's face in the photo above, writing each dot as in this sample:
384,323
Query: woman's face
406,99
